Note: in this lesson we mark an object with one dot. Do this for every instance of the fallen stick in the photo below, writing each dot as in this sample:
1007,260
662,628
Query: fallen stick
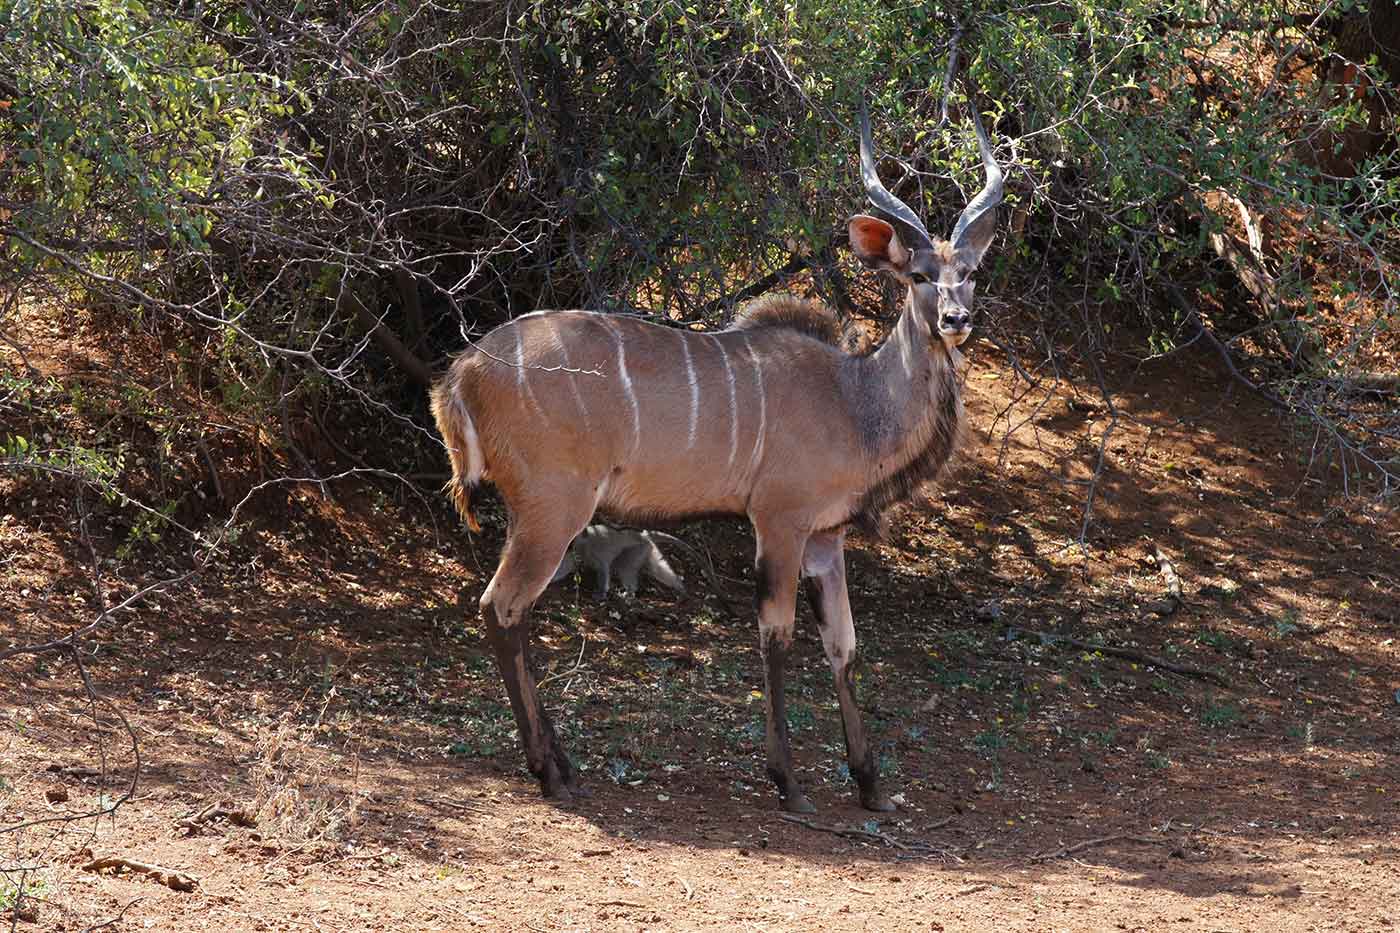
113,921
1090,843
171,878
861,835
236,816
846,832
449,804
1131,654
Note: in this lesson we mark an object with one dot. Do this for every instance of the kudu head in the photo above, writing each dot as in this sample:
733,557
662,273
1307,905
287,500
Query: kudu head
938,273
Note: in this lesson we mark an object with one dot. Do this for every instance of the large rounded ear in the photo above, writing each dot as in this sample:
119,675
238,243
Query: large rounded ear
875,244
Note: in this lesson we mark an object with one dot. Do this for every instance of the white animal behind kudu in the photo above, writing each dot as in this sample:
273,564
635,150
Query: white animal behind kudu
605,551
570,413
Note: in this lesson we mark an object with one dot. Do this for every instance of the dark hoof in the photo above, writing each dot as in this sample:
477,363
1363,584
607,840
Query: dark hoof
797,803
559,794
554,787
580,792
877,802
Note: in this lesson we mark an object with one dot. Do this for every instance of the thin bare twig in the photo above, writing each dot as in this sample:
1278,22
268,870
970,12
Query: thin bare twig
113,921
1129,654
860,835
1067,851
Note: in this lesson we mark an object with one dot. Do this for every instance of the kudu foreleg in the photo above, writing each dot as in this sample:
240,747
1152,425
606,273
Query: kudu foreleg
531,554
824,572
776,598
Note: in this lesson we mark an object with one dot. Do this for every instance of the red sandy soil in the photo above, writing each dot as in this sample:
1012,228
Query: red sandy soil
325,679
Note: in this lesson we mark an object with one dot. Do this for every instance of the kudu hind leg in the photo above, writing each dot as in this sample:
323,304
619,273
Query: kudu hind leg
533,550
824,572
779,560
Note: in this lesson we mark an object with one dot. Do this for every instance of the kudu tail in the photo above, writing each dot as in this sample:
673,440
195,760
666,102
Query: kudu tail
455,424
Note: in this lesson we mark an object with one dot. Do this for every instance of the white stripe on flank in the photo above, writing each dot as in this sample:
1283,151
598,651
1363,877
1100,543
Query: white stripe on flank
572,377
520,368
733,401
757,455
626,385
694,388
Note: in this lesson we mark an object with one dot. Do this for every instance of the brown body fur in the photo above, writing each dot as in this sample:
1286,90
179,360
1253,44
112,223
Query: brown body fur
791,444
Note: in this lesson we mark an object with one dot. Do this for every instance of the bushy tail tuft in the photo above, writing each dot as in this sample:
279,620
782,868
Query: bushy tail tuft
455,424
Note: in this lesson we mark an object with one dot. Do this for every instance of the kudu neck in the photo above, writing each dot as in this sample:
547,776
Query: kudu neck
908,367
911,352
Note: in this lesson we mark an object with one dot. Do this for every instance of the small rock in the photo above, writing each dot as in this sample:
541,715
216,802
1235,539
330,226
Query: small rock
989,611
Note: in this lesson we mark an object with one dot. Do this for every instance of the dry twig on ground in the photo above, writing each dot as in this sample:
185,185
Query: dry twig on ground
172,878
219,810
1130,654
866,835
1066,851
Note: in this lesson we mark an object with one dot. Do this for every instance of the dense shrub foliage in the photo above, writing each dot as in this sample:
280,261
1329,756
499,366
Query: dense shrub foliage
319,201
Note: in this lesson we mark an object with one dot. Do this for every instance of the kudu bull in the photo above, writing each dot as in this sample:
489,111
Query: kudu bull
568,413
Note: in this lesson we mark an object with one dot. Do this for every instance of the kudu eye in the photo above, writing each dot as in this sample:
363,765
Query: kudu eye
918,278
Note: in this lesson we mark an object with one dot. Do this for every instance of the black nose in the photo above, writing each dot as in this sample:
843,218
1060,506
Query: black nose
956,321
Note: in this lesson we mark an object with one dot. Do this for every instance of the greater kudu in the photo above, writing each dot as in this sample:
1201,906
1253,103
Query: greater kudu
570,413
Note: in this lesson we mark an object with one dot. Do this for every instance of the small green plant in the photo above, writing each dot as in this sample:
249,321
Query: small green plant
1156,760
15,447
1106,737
11,891
990,741
147,529
800,716
489,728
1217,640
1287,624
1302,732
1220,716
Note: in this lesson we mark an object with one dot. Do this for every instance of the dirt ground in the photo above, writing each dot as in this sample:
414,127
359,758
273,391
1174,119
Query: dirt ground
329,691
